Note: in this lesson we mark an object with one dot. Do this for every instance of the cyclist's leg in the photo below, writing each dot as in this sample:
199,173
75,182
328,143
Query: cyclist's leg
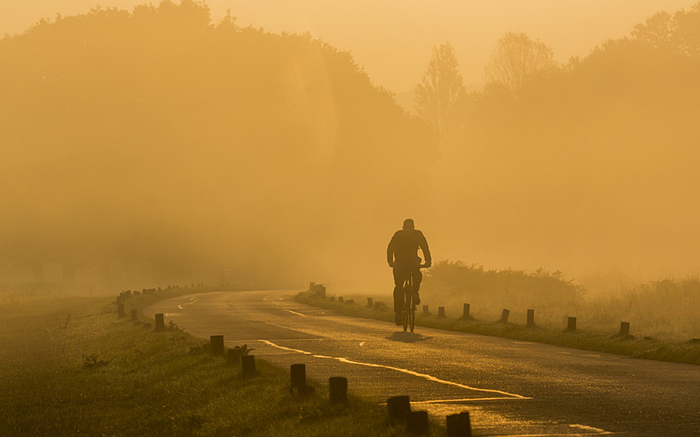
398,294
417,278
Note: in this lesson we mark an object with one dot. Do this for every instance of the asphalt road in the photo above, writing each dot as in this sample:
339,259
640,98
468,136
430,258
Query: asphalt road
509,387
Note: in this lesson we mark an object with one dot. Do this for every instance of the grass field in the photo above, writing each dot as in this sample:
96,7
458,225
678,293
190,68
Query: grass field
70,367
648,348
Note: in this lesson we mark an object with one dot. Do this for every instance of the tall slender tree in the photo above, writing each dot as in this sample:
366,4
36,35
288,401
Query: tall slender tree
517,59
440,90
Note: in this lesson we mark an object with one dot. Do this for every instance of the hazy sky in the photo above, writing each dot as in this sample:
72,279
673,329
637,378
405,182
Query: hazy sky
393,39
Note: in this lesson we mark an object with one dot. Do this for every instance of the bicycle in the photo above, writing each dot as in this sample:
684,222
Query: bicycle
408,316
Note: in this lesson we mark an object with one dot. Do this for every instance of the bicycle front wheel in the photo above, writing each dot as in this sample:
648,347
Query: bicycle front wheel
408,314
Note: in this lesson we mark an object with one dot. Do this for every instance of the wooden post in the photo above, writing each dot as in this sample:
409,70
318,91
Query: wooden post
441,312
338,390
217,344
458,425
417,423
504,315
320,290
571,324
160,322
370,304
624,329
248,364
530,318
234,357
120,311
298,372
465,312
134,315
425,310
399,407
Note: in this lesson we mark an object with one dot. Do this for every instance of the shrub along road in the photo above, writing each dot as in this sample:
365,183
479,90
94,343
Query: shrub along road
509,387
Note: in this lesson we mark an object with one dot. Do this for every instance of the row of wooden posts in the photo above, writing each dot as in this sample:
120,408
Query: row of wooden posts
320,291
129,293
399,407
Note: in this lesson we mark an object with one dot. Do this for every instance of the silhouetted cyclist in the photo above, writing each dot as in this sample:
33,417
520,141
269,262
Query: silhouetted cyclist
402,255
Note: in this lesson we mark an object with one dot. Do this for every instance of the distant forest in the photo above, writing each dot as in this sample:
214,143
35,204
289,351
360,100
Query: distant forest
157,146
596,156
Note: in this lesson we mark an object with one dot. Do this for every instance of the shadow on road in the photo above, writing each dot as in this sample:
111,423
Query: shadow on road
407,337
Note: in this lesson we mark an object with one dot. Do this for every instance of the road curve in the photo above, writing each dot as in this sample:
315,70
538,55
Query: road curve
510,388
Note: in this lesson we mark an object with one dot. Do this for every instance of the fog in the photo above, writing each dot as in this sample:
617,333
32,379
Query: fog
393,39
172,143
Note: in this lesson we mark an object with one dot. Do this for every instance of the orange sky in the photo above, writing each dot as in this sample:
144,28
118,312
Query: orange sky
392,39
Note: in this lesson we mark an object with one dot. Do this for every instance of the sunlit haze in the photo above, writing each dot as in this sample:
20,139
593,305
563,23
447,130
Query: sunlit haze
392,39
171,142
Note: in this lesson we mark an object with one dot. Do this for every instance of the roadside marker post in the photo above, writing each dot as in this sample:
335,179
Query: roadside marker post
530,318
624,329
459,425
504,315
160,322
465,312
248,364
399,408
337,390
217,344
425,310
233,357
441,312
571,324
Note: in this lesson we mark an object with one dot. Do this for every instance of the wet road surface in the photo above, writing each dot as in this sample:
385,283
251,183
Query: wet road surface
510,388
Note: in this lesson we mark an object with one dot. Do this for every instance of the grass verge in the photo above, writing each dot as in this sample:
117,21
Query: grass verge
70,367
647,348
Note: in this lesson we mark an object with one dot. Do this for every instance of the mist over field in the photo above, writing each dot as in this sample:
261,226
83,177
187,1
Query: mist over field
160,145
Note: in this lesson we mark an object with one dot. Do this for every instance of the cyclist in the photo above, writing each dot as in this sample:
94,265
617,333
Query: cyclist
402,255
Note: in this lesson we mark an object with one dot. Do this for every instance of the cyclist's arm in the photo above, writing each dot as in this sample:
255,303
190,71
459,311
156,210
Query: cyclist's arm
390,251
423,244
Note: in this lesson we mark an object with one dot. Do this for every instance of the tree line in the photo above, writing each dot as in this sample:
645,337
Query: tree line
159,146
591,157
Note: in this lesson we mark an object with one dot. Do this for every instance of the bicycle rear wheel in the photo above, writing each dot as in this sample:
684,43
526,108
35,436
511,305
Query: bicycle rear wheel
407,303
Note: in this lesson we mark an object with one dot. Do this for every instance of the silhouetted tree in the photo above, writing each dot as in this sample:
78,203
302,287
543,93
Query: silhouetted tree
680,31
517,59
657,30
441,89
